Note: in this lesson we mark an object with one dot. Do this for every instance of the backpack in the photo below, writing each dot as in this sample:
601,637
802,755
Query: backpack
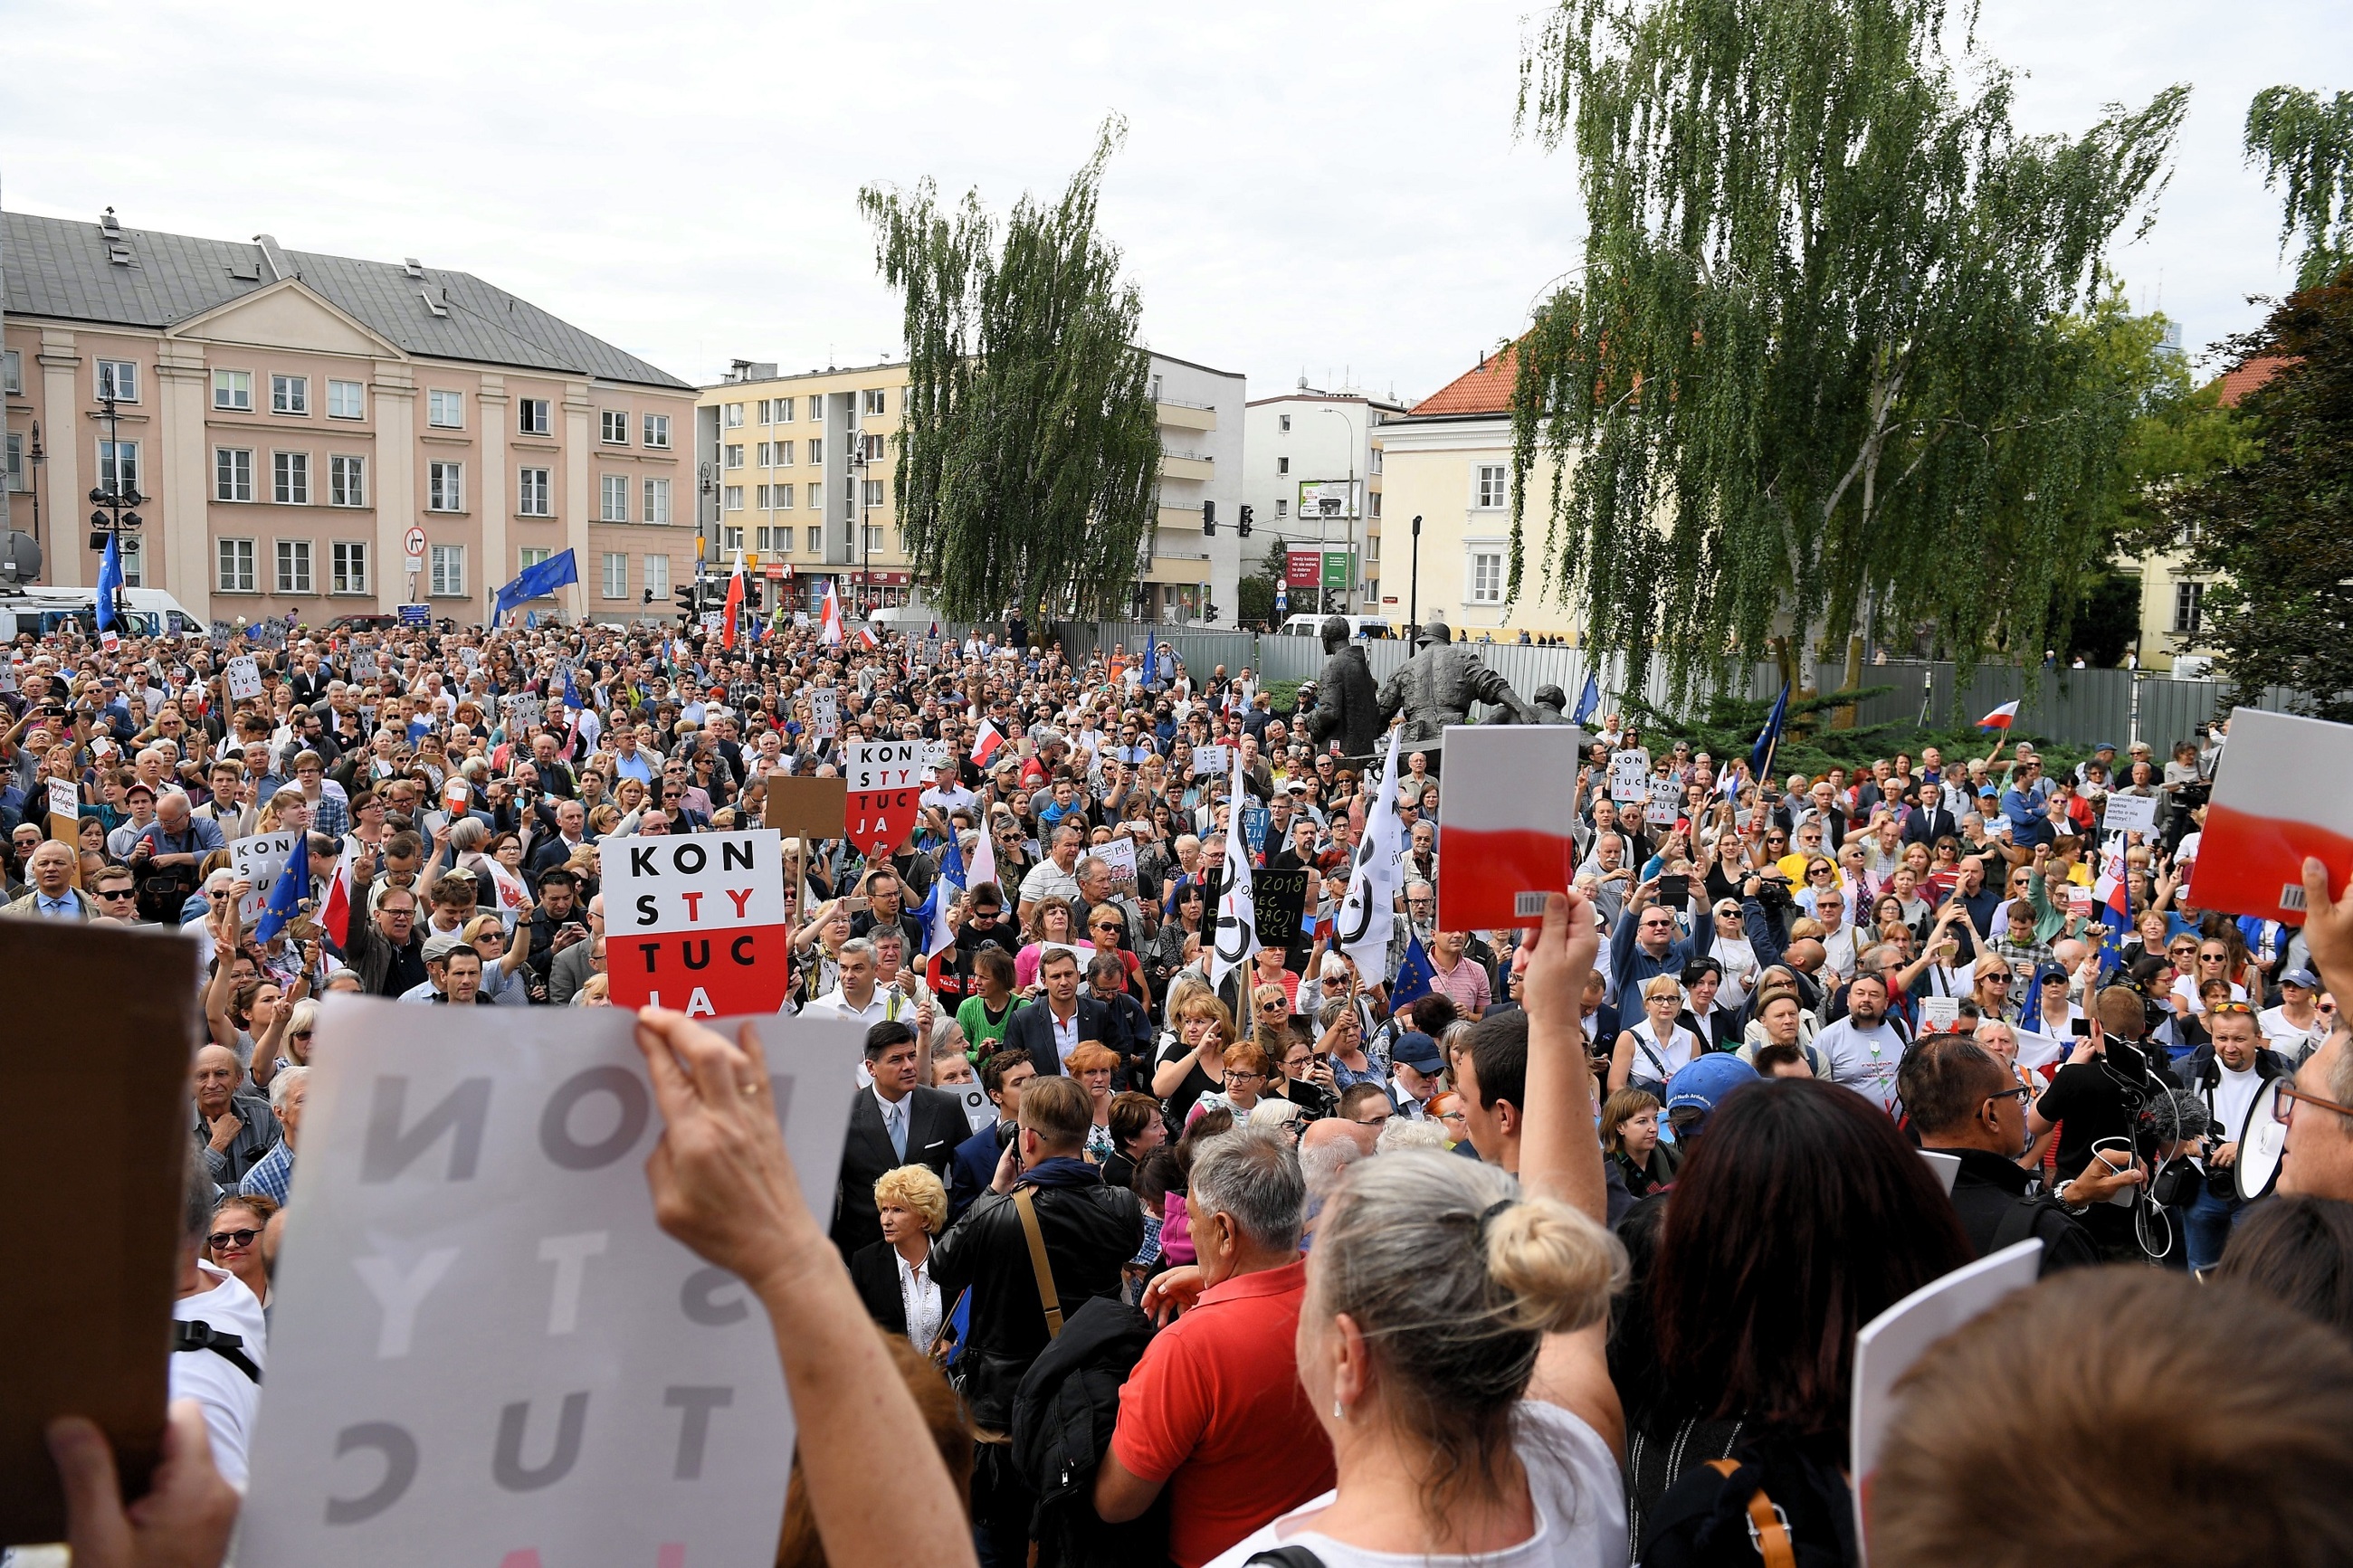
1775,1504
1063,1413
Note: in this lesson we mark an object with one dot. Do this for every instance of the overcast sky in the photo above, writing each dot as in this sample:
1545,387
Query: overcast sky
1328,191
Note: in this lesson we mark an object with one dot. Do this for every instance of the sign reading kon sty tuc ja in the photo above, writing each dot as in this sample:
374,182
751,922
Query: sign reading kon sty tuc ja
696,921
886,782
483,1351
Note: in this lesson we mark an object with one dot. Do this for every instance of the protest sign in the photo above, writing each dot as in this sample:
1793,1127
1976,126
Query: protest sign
1278,899
90,1321
935,758
977,1112
1629,776
824,712
697,921
1505,822
1212,762
1891,1342
258,861
2279,796
885,782
64,812
520,708
1255,819
244,677
482,1347
363,666
1666,803
1940,1013
2129,814
1118,855
805,807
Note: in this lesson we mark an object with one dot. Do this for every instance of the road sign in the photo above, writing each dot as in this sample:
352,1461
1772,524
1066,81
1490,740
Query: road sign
415,615
413,544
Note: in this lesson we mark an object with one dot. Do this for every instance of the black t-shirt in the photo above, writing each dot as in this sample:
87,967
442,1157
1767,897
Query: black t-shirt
2091,1106
1197,1083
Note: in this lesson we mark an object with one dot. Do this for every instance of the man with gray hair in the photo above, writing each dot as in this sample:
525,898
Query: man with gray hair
1214,1413
274,1175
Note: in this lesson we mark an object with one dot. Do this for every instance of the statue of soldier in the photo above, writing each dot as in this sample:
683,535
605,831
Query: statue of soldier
1552,706
1346,703
1436,686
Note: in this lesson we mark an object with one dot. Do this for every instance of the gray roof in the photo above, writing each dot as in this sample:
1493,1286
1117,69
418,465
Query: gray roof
61,268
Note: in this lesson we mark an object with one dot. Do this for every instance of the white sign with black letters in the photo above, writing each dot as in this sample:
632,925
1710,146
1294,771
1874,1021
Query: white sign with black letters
244,679
2129,814
824,712
260,860
482,1348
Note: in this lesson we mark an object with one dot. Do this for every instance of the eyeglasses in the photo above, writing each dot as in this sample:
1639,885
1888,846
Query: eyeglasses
2239,1008
299,1035
221,1238
1232,1076
1273,1005
2019,1093
2289,1094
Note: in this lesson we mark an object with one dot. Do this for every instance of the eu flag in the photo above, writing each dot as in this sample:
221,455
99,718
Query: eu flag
1588,699
110,585
536,582
1760,755
1415,977
285,894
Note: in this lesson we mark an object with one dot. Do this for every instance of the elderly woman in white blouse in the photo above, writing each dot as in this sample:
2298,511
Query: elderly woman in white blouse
893,1276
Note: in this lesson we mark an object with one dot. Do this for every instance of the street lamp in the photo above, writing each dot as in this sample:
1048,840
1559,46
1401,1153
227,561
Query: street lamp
1413,589
1351,520
115,498
859,565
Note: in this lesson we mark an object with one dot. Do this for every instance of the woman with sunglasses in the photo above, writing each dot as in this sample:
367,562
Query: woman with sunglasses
234,1242
506,977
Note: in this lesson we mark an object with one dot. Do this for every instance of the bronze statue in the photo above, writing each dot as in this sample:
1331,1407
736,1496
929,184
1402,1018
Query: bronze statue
1346,703
1552,706
1438,685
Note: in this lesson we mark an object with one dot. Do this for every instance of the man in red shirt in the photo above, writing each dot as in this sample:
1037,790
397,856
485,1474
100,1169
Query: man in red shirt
1214,1412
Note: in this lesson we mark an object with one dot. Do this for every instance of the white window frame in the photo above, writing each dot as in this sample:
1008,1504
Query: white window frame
817,540
873,496
289,478
816,452
1286,423
346,399
816,498
874,540
656,575
784,497
657,427
444,409
12,371
16,459
113,472
1474,591
233,390
1282,507
346,480
445,572
1282,465
655,495
134,563
233,566
530,556
733,456
732,497
112,373
534,416
612,420
613,586
347,566
878,400
784,410
291,566
1491,485
2188,607
233,474
534,493
871,447
290,395
784,455
732,417
613,497
444,486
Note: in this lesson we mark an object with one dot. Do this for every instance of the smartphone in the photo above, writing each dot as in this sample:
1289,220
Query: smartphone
1674,891
858,905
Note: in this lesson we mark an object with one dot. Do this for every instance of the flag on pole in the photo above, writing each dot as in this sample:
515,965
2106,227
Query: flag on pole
986,742
1368,911
1235,939
335,914
1588,700
2112,894
952,861
1760,755
867,638
2001,718
1415,977
939,931
285,894
984,859
1149,675
829,619
110,585
536,582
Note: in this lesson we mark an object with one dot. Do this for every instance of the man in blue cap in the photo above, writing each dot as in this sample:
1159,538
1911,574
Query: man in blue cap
1419,1066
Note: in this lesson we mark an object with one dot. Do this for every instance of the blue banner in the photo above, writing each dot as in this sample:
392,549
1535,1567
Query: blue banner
537,581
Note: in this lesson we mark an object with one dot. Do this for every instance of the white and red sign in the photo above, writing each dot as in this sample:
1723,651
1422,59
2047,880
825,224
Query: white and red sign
1504,819
696,921
412,544
2279,796
886,783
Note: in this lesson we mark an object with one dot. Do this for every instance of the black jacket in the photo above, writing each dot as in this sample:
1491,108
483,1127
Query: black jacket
2203,1073
1032,1028
936,1125
1063,1421
874,1269
1926,826
1090,1228
1988,1187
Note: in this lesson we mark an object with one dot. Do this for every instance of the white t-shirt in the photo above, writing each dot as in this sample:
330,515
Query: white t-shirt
1580,1503
228,1396
2234,1096
2283,1036
1865,1060
2186,987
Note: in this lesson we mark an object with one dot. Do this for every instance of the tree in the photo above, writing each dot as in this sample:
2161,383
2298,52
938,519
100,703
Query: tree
1028,460
1254,595
1815,367
2273,525
2307,142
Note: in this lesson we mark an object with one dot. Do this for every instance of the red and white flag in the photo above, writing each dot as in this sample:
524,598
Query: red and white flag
986,742
2000,718
2279,796
867,638
829,618
734,612
1503,821
335,912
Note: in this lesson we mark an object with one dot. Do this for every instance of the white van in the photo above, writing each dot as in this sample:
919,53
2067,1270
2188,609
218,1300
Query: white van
1368,628
151,611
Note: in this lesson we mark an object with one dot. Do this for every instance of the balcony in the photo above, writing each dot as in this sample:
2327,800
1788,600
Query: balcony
1186,465
1174,415
1177,568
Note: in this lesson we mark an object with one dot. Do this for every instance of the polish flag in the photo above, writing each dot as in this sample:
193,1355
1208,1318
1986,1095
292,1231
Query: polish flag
733,611
335,913
829,620
2279,796
985,745
1503,819
2000,718
983,865
866,637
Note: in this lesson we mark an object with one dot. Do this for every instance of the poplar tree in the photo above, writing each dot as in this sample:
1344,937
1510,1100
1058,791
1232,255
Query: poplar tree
1815,370
1028,459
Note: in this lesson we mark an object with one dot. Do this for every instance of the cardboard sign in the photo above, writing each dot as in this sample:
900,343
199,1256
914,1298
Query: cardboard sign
2130,814
260,860
244,679
1278,899
482,1348
1120,856
520,709
886,780
2279,796
696,921
977,1112
805,807
1891,1342
1505,822
1212,762
1629,776
65,810
97,1306
825,713
1940,1013
1666,803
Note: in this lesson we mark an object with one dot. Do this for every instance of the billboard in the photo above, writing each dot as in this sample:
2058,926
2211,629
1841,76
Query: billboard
1331,498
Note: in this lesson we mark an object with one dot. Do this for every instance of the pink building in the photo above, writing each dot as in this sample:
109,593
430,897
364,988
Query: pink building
291,418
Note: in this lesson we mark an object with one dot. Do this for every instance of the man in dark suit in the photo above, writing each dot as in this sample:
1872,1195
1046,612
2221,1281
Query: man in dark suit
1932,819
891,1124
1001,1078
1051,1028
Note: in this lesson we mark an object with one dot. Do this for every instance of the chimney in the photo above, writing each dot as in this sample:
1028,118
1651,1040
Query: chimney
272,257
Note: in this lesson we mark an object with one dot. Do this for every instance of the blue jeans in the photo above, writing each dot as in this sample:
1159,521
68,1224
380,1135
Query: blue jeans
2206,1226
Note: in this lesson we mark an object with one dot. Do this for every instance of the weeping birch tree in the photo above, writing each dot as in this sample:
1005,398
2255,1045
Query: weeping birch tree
1028,460
2305,144
1815,370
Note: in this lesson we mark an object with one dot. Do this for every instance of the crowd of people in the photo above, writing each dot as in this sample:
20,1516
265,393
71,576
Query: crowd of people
1512,1246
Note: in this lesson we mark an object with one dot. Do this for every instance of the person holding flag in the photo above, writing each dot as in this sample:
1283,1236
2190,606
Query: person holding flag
1367,917
829,619
1234,941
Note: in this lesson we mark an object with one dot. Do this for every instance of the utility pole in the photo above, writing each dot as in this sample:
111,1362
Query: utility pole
1413,589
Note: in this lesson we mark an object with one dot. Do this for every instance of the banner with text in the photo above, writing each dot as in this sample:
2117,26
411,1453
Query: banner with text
886,782
697,921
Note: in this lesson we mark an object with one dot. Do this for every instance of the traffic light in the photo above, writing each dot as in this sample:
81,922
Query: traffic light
1243,528
1209,613
1208,518
687,605
752,594
650,596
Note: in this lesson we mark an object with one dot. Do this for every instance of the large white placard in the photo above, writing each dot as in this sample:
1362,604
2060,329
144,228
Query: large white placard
2129,814
244,679
1629,776
824,712
482,1349
260,860
1212,762
1120,856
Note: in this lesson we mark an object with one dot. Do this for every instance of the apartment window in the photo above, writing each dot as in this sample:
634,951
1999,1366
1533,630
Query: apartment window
295,566
232,474
776,540
616,424
2188,605
12,371
873,496
445,487
1486,577
817,453
734,415
233,389
531,555
657,576
871,447
1286,423
816,498
533,493
1155,389
767,411
1494,488
233,570
289,478
873,541
735,455
1376,459
118,466
784,455
347,567
1282,465
15,461
445,410
876,399
531,416
783,498
760,498
134,564
657,430
783,410
657,501
1282,507
613,499
731,539
816,542
346,400
290,395
1376,501
448,563
1372,547
616,583
346,481
734,498
117,378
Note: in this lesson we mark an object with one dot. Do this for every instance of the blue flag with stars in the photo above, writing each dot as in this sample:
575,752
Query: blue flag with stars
1415,977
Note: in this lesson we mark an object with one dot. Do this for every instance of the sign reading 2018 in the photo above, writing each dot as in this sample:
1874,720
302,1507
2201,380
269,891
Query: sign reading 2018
697,921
